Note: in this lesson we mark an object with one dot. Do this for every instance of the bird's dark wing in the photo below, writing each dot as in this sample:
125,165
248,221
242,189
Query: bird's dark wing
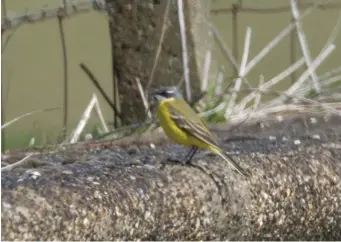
188,120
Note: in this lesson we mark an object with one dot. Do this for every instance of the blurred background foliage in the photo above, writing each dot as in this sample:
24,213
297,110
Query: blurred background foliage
32,62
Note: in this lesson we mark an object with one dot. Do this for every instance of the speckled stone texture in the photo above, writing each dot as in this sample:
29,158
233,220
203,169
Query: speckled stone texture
131,191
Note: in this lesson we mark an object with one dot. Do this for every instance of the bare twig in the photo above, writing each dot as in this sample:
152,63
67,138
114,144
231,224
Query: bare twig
319,59
293,45
324,83
73,8
144,99
331,80
65,6
132,128
334,32
322,79
100,116
207,65
218,108
32,142
326,80
27,114
4,9
302,108
85,117
184,49
224,47
275,41
159,47
267,109
6,42
303,99
265,50
304,44
249,114
100,89
219,84
330,73
65,69
16,164
241,72
226,51
270,83
258,96
245,52
115,73
235,42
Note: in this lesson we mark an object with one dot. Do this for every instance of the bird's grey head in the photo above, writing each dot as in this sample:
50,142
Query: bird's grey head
166,92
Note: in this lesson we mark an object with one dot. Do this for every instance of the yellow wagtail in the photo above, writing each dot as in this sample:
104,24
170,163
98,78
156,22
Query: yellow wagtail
183,125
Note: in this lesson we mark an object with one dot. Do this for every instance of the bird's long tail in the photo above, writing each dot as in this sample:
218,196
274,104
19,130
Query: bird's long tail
231,162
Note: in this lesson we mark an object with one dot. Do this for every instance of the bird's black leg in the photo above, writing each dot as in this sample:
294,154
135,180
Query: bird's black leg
190,155
187,158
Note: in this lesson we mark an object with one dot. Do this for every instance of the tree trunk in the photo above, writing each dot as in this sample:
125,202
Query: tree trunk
147,46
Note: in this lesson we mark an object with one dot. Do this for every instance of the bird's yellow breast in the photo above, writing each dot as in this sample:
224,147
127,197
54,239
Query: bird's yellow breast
173,131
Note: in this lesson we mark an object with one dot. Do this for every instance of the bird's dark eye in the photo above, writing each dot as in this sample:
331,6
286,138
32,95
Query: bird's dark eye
165,93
